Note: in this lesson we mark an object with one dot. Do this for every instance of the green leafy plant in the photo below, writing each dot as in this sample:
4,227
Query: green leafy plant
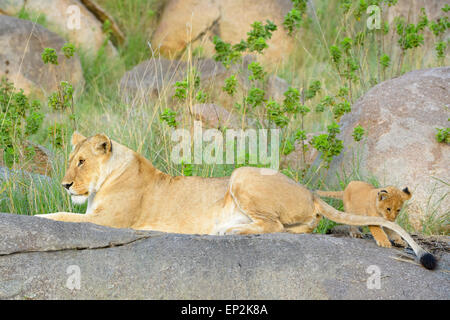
49,55
294,17
327,144
68,49
410,35
56,133
20,118
358,133
61,100
275,114
169,117
256,72
230,86
443,135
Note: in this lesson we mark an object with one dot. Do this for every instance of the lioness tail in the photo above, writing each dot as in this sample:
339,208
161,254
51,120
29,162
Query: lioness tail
331,194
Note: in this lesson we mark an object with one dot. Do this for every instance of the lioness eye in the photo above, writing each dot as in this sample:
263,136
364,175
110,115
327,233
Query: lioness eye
388,209
80,162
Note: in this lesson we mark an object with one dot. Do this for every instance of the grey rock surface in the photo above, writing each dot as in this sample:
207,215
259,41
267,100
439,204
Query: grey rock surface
6,173
37,259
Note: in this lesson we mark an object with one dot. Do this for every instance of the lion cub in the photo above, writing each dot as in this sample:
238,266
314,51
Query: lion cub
364,199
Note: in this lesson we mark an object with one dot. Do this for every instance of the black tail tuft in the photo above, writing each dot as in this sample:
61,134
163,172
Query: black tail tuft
428,261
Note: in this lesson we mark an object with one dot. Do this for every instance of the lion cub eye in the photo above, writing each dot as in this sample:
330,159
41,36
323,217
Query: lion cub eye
80,162
389,209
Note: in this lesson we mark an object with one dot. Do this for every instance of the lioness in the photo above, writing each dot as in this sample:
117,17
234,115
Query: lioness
364,199
124,190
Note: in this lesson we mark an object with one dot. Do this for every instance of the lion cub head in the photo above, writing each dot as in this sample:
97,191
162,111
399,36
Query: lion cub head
390,201
86,161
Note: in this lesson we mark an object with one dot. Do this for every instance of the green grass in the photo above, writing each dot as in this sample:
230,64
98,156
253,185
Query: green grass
101,108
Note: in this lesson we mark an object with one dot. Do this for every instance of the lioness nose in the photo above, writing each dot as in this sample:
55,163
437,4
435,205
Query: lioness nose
67,185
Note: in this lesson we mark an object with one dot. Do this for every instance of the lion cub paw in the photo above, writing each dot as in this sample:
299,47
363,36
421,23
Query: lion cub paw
384,244
400,242
356,233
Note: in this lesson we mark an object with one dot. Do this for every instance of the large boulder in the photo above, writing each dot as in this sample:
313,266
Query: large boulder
401,116
45,259
22,44
195,22
61,17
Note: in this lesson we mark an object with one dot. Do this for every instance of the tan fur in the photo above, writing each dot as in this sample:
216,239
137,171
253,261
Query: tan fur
364,199
124,190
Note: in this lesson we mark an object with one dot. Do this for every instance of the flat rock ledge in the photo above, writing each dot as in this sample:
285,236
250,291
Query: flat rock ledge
44,259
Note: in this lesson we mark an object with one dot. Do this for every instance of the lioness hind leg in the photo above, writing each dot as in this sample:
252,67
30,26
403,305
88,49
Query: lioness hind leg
258,226
300,229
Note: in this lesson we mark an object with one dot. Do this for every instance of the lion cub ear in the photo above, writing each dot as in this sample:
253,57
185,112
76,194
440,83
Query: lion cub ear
77,138
406,194
102,143
382,195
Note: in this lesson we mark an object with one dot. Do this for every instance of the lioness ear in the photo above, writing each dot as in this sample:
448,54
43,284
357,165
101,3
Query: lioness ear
406,194
102,143
382,195
77,138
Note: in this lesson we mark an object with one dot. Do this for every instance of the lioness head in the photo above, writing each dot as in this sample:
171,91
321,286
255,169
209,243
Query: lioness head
86,160
390,201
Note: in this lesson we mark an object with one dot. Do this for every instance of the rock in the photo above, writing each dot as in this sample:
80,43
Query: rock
213,116
275,88
198,21
40,162
117,35
294,160
184,21
213,76
40,257
6,174
61,18
401,116
22,43
152,78
156,77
